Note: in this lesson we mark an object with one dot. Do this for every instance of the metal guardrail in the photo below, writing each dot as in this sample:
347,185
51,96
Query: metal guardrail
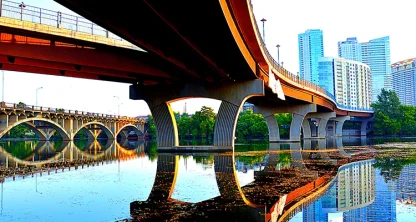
23,12
296,78
5,105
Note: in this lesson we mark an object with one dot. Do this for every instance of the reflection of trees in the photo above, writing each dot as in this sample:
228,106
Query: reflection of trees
392,167
204,159
252,147
251,160
152,151
20,149
81,144
285,160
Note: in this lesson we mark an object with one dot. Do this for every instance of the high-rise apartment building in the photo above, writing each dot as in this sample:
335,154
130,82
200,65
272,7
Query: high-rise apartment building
376,54
311,48
350,49
349,81
403,76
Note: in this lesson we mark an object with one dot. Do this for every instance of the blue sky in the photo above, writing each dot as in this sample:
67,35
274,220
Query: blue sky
285,20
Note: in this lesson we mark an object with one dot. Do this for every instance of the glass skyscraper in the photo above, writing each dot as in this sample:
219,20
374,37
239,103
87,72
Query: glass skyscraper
376,54
311,48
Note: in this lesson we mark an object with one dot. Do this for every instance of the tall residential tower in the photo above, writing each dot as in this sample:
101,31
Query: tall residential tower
311,48
403,74
349,81
376,54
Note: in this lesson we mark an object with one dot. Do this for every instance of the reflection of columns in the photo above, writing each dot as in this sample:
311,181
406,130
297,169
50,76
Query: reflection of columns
165,180
232,95
273,158
227,180
296,155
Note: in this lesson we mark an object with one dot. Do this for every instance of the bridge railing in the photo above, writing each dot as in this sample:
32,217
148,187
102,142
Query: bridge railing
22,106
297,78
23,12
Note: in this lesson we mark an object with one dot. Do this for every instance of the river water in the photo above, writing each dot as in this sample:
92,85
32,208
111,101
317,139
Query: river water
316,180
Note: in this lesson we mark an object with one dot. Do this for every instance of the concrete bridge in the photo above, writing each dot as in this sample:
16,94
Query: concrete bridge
47,154
218,54
46,121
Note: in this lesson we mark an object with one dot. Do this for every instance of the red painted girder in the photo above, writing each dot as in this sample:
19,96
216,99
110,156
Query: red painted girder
81,56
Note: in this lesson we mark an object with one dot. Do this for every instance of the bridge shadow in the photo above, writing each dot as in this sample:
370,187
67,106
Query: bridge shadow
277,187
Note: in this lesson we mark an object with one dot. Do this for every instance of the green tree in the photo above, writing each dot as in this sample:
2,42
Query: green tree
19,131
408,122
387,113
184,125
284,120
151,127
203,122
250,124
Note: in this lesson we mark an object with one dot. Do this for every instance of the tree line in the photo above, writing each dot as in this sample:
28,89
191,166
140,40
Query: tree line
201,125
391,117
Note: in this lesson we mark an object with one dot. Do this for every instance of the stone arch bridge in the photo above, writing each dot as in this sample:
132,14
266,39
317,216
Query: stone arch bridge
45,122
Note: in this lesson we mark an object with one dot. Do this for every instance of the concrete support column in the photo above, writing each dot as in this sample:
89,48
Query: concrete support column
167,132
13,119
323,120
298,114
306,126
340,123
272,125
69,127
232,95
4,122
141,127
363,131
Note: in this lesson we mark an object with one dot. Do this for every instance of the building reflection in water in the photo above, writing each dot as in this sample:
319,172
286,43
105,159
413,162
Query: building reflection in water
360,193
288,178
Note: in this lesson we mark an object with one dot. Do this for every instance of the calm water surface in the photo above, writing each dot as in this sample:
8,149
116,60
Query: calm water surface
317,180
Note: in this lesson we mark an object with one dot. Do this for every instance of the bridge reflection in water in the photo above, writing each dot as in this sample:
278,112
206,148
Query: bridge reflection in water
288,177
290,180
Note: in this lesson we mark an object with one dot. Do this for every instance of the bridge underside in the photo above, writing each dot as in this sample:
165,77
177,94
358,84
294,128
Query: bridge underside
81,59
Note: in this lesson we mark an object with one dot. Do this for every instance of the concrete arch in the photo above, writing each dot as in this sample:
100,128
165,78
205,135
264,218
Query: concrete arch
135,129
33,163
54,125
39,133
103,127
105,149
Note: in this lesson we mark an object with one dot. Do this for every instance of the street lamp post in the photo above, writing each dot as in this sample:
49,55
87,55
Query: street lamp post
37,90
278,54
118,105
264,36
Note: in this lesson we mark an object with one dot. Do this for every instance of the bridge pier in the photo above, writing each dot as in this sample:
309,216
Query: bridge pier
323,120
298,114
232,94
339,124
364,122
